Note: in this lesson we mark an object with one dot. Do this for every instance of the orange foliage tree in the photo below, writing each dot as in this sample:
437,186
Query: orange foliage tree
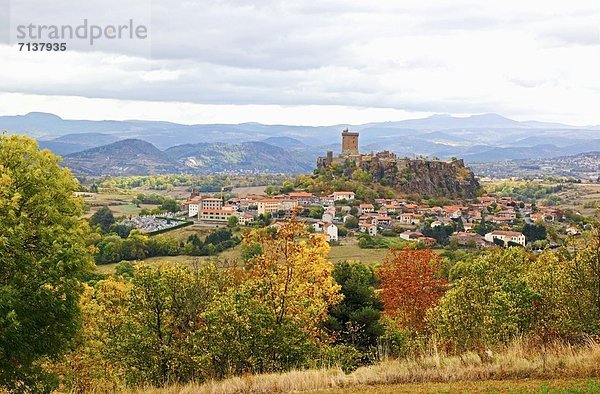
409,286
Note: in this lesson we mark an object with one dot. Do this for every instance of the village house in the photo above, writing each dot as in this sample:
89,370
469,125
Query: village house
273,205
465,238
366,208
331,231
193,206
212,203
410,235
197,204
409,218
435,223
381,220
268,205
391,208
326,200
506,237
368,228
217,215
339,196
245,218
318,226
303,198
501,220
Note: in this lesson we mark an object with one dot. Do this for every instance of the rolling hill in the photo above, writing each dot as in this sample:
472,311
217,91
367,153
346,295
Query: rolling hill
137,157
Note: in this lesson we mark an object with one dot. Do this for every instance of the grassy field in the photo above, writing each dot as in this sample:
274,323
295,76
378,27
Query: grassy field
517,369
353,252
231,254
580,195
337,254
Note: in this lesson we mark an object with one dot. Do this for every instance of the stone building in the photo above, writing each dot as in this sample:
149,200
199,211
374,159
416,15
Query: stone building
349,142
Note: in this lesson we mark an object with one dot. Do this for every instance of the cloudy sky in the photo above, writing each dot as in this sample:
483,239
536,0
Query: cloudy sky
310,62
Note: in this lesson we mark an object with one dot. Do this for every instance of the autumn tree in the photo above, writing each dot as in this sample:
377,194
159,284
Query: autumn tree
292,275
409,286
43,253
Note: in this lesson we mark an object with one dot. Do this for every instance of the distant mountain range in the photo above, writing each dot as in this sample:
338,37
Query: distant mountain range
285,148
137,157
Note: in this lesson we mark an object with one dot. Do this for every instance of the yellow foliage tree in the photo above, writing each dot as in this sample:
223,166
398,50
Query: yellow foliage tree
292,275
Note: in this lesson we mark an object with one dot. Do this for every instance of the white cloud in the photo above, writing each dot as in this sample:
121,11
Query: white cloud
521,59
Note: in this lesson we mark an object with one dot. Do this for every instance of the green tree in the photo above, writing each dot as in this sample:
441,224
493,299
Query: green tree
232,221
103,218
490,304
355,320
534,232
287,187
43,253
351,222
169,205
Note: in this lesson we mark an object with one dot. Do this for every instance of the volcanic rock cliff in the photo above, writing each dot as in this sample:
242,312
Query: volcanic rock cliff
417,176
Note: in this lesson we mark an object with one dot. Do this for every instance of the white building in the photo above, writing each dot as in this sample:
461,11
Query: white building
331,231
338,196
245,218
506,237
368,228
216,215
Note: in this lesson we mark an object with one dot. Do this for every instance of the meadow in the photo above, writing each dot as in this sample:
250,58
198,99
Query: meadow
517,369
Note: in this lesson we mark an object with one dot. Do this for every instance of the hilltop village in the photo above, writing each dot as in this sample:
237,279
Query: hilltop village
476,221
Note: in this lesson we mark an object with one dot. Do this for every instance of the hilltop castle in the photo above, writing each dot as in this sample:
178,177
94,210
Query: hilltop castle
421,176
350,151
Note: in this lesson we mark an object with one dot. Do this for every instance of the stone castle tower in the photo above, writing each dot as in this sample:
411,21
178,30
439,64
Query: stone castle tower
349,142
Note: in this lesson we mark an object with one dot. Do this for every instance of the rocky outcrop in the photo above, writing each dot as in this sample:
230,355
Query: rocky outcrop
420,176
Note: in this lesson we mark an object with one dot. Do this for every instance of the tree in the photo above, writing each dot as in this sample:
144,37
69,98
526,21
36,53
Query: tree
534,232
287,187
292,276
410,287
351,222
355,320
483,227
122,230
232,221
490,304
103,218
169,205
43,253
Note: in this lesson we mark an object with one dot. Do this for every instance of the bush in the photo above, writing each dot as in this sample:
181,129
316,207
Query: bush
342,356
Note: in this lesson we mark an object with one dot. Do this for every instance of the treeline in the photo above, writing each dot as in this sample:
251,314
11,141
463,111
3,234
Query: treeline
529,192
112,248
177,324
204,183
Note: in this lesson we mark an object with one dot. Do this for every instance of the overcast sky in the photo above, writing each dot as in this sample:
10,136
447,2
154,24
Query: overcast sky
312,62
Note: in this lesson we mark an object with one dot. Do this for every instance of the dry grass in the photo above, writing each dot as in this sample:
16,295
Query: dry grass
516,365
